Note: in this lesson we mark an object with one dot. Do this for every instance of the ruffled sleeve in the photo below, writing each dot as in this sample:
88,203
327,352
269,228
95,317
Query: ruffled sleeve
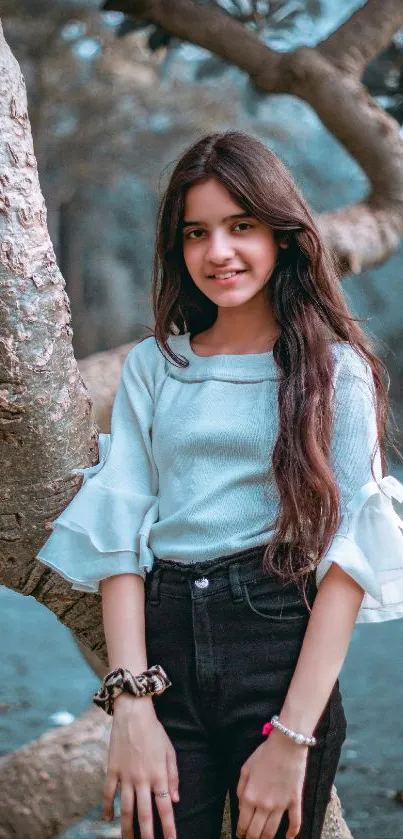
104,530
369,542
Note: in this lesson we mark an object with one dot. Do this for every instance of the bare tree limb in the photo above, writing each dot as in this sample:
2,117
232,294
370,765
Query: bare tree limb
210,28
53,782
368,232
363,234
364,35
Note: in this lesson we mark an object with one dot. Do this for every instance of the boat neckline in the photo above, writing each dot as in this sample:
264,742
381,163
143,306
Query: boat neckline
242,367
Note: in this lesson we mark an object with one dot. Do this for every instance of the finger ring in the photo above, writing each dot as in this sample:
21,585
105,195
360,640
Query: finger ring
161,794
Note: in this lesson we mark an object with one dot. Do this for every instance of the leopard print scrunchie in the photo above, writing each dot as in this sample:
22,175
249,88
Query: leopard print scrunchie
152,682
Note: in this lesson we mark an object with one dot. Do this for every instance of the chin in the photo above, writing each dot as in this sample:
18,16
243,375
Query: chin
234,304
235,297
226,300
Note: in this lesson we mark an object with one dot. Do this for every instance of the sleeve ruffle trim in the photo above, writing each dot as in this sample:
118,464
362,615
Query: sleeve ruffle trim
369,547
104,531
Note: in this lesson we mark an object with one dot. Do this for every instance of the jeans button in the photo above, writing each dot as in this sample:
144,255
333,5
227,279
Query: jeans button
202,583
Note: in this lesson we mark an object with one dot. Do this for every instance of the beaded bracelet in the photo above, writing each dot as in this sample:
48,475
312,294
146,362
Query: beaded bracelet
151,682
298,738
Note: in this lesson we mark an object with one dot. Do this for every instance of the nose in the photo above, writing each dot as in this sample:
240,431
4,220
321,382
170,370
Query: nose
220,249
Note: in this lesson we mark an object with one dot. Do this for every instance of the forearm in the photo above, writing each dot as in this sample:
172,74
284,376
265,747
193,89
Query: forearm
124,621
323,651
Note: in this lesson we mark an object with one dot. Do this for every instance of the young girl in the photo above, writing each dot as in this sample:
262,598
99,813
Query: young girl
238,518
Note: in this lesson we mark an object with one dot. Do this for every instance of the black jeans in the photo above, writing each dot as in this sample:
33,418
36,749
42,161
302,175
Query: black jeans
229,637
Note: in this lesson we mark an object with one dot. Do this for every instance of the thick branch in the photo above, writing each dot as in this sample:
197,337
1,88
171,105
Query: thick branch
209,28
364,234
53,782
364,35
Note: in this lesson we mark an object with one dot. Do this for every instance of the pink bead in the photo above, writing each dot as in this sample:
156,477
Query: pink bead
267,728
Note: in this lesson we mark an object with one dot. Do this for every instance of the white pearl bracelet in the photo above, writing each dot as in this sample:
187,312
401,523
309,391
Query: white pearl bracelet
298,738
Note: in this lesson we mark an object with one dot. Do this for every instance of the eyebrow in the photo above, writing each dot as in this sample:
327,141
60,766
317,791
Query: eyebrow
226,218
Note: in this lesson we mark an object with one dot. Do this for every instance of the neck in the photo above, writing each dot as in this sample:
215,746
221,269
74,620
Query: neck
246,326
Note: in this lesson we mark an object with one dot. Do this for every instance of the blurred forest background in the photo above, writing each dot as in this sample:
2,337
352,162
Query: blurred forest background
112,105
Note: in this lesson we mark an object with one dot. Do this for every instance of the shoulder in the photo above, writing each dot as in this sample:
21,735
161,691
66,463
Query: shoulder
144,361
143,352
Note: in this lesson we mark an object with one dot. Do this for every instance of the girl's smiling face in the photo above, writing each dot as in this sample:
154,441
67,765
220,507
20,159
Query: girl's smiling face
229,254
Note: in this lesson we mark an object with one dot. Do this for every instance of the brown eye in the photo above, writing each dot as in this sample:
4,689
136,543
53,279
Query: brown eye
243,224
188,235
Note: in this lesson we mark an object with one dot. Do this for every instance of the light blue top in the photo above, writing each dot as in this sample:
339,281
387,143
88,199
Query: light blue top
186,474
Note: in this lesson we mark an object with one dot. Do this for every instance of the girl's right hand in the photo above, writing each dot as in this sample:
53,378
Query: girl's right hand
143,761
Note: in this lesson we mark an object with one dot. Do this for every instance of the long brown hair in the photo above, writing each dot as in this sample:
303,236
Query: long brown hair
310,309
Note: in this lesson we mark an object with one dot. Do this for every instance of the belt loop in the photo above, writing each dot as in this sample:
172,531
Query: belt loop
235,582
154,598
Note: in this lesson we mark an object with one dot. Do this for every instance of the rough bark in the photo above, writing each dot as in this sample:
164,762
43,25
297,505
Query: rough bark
327,78
46,427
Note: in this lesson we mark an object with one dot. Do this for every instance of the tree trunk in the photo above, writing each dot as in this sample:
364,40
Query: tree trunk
46,426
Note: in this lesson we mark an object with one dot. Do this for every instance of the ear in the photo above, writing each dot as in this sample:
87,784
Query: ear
283,244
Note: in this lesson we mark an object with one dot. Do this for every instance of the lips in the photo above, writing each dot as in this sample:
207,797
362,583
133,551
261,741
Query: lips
227,275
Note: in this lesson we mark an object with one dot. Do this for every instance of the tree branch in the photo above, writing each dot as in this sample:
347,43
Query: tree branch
208,27
367,32
366,233
54,781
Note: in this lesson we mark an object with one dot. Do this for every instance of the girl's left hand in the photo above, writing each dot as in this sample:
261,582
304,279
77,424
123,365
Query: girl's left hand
271,782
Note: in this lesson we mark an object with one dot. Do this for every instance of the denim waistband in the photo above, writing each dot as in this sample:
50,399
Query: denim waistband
211,576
